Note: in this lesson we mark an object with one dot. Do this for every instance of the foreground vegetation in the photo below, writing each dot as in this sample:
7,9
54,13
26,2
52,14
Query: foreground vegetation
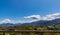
29,28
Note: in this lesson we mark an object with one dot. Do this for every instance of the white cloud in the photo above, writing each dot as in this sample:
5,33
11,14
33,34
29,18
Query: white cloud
9,21
34,17
51,16
6,21
47,17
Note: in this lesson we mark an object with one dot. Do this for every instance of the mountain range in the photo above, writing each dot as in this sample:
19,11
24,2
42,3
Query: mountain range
37,23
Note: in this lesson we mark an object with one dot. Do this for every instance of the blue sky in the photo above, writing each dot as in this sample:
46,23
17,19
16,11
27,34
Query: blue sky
17,9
